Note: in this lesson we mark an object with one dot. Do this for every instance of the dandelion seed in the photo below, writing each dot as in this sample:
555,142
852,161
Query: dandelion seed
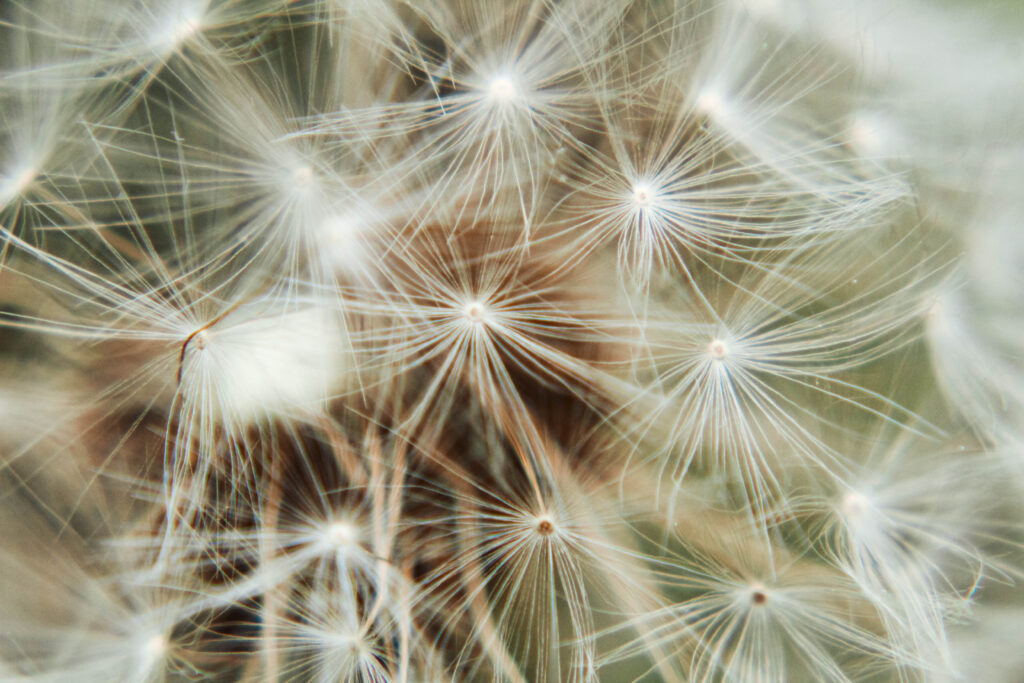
898,529
153,650
767,10
855,505
503,89
178,26
16,183
710,103
643,196
873,135
476,312
804,622
544,560
731,396
545,526
345,244
341,535
718,349
301,178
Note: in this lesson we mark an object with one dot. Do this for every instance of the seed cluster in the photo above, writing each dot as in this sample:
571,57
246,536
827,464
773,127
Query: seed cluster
510,340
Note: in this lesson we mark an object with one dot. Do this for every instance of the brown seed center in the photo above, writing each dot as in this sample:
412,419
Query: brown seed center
476,312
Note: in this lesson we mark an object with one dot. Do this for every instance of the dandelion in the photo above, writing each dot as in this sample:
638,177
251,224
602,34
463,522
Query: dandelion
534,340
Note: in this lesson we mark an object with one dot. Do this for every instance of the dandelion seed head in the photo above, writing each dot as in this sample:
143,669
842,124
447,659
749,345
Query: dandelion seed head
269,277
